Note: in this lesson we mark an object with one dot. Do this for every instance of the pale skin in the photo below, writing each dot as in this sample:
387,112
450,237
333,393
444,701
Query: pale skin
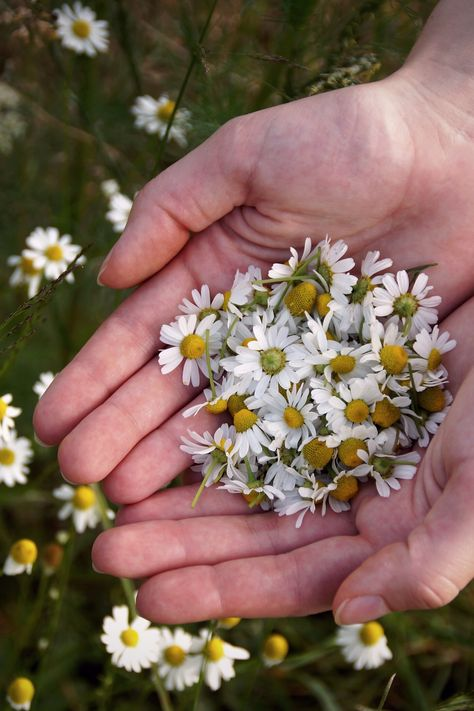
387,166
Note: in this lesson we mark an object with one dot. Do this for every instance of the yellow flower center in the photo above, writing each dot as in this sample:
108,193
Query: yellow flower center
254,497
175,655
3,409
24,552
302,298
434,359
385,413
244,419
54,253
27,266
84,498
81,28
272,360
225,303
7,457
322,304
317,453
347,488
164,112
214,649
293,418
326,272
432,399
357,411
246,341
342,364
229,622
130,637
275,647
217,407
192,346
370,633
347,451
21,691
236,403
393,359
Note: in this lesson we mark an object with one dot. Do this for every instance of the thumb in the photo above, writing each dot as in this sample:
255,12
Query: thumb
187,197
425,571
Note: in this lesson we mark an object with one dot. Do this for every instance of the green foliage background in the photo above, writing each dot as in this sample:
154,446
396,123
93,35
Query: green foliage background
79,131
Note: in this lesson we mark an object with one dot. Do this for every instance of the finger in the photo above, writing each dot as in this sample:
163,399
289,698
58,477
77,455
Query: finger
157,458
173,504
142,549
299,582
429,568
187,197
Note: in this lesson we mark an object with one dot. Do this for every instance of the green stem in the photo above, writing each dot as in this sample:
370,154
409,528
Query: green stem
229,331
127,585
209,369
202,485
197,695
125,40
187,76
161,692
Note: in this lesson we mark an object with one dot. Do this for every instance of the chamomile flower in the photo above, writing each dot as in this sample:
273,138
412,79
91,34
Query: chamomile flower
435,403
176,665
202,305
389,350
218,657
281,475
81,31
303,499
153,115
275,650
251,436
264,363
295,262
253,491
119,210
411,306
242,288
15,456
360,307
215,454
216,403
20,693
25,274
133,645
333,269
81,504
352,404
364,645
43,383
51,252
109,187
187,336
430,347
289,418
7,413
21,558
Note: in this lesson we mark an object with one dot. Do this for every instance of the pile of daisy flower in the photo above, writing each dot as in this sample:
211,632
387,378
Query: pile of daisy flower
321,380
46,256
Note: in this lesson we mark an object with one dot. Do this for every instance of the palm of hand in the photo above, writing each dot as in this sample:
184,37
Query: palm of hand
351,164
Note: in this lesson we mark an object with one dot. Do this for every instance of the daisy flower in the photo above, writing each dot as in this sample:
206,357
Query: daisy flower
275,650
52,252
333,270
80,31
7,413
218,658
25,274
352,404
251,436
187,336
43,383
388,348
282,476
216,404
409,306
360,306
21,557
15,455
215,454
365,646
289,418
132,644
241,290
264,363
153,116
431,347
202,305
119,210
253,491
283,271
81,504
109,187
20,693
435,403
175,665
301,500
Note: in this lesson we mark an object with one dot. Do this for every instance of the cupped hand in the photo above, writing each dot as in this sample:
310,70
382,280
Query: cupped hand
379,165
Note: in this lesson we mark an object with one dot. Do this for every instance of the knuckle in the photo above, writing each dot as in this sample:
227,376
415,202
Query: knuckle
434,591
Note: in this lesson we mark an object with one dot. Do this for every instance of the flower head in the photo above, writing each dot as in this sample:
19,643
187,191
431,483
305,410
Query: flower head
7,413
153,115
20,693
81,504
15,456
218,657
365,646
51,252
176,665
21,557
133,645
80,31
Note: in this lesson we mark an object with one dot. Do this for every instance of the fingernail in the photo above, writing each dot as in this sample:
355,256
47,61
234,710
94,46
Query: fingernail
73,483
38,441
360,609
96,570
103,268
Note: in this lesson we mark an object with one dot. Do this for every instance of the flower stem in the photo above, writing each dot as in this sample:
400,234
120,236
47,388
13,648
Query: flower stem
161,692
197,695
202,485
209,369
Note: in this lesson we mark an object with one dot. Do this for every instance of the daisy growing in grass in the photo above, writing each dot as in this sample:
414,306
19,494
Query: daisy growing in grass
133,644
80,31
176,665
81,505
51,252
16,454
21,558
218,658
153,115
365,646
7,413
